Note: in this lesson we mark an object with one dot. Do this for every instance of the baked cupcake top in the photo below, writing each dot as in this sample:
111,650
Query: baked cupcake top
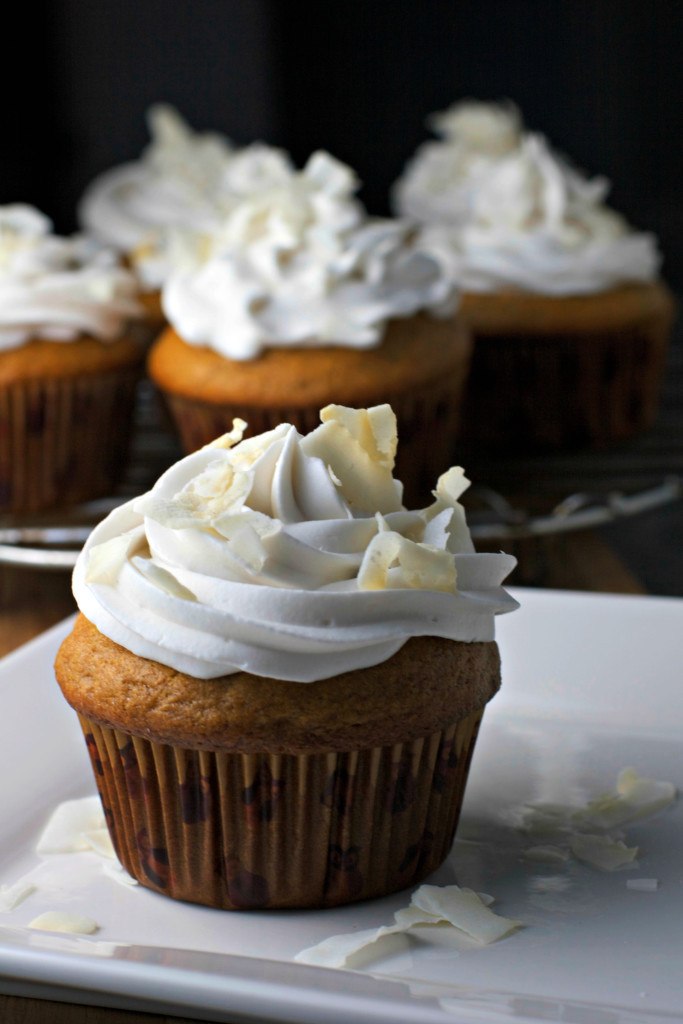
161,210
518,215
58,289
301,263
289,557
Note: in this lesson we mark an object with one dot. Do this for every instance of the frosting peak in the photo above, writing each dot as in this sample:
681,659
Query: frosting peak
300,263
163,209
57,288
288,556
516,213
490,129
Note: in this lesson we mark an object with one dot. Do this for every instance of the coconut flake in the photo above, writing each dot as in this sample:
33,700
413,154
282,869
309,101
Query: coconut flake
603,852
112,869
643,884
464,909
99,840
547,854
64,830
61,921
12,895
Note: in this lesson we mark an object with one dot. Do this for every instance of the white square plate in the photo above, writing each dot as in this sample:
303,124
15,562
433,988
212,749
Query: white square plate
591,684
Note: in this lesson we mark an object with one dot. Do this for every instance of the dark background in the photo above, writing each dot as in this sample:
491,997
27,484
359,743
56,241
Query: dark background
602,78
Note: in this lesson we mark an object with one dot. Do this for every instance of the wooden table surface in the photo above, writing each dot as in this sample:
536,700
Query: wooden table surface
32,600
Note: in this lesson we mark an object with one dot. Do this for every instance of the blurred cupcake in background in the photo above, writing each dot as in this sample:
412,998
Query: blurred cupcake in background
570,320
160,211
307,300
68,365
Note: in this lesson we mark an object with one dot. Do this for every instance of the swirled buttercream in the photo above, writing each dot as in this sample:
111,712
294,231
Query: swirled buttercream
517,215
302,264
57,288
290,557
163,209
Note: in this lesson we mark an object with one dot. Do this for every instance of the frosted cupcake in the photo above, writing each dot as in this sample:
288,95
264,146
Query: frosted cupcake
571,323
307,301
280,671
68,365
160,211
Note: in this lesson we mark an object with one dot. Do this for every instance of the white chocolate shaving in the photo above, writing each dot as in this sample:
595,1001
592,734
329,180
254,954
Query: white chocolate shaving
61,921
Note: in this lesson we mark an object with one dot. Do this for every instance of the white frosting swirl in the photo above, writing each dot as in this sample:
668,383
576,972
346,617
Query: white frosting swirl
300,264
290,557
517,215
57,288
162,210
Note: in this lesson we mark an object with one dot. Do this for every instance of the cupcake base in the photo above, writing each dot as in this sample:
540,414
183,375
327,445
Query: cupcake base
256,830
66,413
64,441
583,371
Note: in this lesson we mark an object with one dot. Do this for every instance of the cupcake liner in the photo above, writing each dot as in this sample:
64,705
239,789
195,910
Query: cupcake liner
566,390
63,440
428,424
244,831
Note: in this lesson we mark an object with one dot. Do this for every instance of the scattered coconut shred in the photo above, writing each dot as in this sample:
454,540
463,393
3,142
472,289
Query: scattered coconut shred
12,895
61,921
75,826
464,909
78,825
581,832
591,833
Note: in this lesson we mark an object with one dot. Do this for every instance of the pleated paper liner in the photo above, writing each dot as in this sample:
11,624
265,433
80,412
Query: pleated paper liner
428,425
246,831
565,391
64,440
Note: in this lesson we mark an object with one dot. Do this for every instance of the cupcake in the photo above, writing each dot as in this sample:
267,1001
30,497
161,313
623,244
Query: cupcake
308,300
68,365
280,671
159,212
570,320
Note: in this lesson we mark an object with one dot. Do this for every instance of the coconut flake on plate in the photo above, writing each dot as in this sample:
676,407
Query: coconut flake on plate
113,869
463,909
61,921
643,884
603,852
546,854
12,895
100,842
64,830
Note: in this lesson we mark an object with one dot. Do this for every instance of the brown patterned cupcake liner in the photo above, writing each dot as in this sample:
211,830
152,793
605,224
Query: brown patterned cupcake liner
565,390
64,440
246,831
428,425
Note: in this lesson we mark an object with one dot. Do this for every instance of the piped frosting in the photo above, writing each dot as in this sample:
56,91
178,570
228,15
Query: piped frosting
516,213
289,556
